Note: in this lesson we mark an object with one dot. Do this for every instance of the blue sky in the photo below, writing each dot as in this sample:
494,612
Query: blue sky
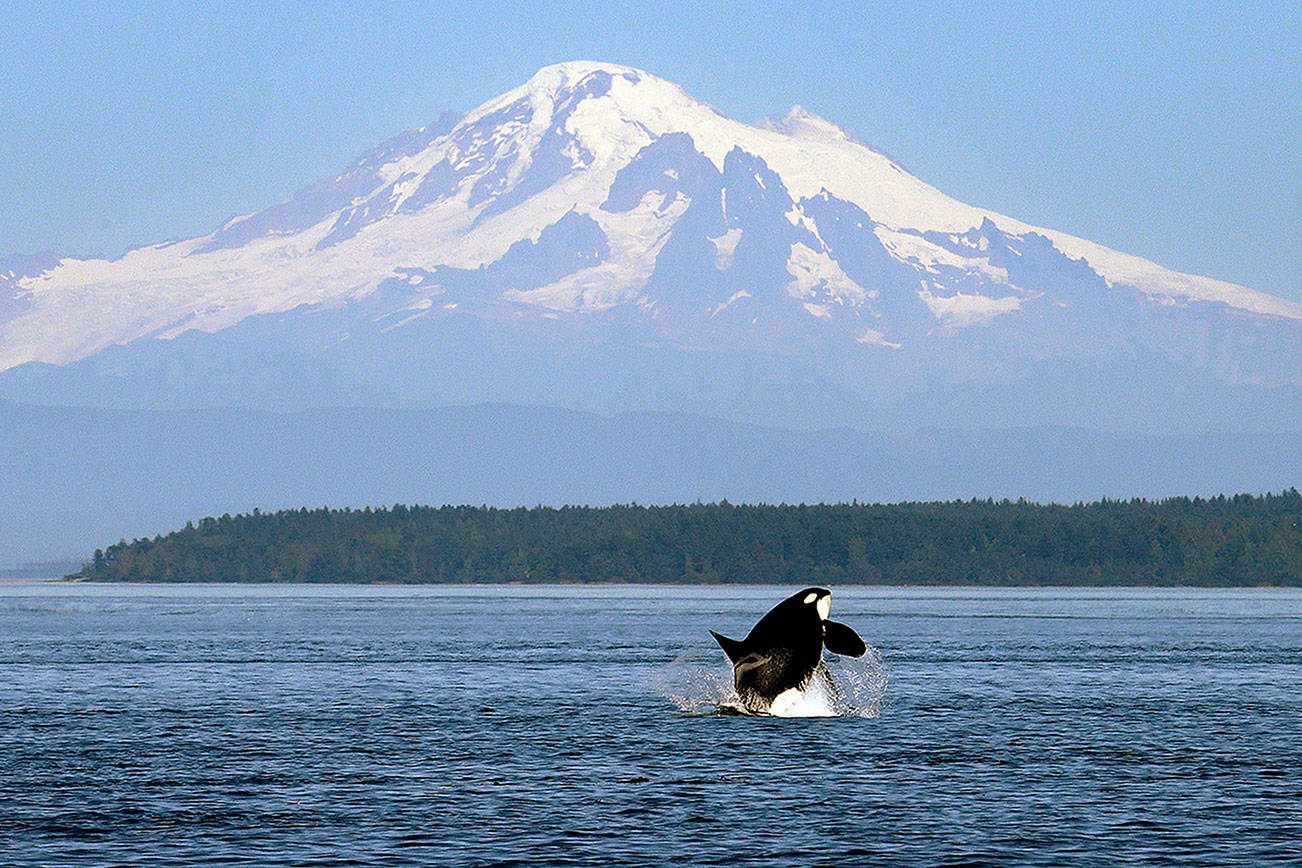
1167,130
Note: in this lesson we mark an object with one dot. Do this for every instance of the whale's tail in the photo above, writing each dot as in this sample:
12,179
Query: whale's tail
734,649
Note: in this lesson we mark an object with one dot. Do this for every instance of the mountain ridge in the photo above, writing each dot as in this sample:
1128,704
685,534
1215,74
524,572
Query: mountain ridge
77,478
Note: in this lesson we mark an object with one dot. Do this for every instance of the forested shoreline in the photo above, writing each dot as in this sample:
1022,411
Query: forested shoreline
1244,540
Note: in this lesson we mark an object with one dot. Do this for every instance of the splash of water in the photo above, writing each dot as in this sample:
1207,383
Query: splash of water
695,686
859,683
846,687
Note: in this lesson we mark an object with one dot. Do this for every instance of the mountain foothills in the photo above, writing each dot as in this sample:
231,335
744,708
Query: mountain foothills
77,479
597,239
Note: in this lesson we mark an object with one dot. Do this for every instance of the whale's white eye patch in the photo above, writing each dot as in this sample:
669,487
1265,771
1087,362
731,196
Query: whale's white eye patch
824,607
810,597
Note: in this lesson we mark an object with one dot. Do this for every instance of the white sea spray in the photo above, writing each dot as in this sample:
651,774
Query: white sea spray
697,684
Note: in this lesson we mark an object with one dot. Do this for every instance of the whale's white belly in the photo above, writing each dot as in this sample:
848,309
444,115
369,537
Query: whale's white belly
811,701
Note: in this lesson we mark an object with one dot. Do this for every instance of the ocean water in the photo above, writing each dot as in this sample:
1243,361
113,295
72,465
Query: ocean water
463,726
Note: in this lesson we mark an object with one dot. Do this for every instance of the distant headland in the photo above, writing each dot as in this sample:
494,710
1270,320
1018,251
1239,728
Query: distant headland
1239,541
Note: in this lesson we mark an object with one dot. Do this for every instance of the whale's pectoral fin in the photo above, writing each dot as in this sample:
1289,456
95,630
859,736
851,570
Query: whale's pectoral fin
734,649
841,639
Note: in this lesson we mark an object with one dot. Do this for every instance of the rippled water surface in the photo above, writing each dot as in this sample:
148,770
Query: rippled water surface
274,725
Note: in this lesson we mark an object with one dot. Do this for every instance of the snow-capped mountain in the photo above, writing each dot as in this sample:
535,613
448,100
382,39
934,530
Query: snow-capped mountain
598,238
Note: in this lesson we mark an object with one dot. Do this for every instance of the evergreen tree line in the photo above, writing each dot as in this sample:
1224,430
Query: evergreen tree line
1242,540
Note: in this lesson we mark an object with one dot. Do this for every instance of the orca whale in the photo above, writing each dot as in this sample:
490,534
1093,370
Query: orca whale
783,652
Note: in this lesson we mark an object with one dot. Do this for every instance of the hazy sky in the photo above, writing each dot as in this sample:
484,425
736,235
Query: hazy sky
1170,130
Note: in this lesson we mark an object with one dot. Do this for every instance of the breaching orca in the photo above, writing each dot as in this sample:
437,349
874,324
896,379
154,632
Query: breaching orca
784,651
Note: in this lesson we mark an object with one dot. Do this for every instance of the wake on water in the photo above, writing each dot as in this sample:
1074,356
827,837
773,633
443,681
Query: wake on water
843,687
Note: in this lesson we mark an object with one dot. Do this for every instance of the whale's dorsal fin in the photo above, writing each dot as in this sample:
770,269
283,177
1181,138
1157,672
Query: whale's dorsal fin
841,639
734,649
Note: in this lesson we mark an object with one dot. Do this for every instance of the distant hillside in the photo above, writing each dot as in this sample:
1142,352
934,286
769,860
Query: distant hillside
1238,541
38,569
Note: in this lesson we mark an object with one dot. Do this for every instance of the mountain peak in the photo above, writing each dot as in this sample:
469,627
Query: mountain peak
569,83
596,196
572,72
799,122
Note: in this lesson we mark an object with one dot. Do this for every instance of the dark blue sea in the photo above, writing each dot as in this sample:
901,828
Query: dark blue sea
465,726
